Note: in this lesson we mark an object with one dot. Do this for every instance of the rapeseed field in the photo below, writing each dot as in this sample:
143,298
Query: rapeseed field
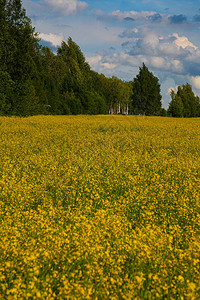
99,207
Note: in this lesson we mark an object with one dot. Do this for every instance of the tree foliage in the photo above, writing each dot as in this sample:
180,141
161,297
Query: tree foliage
34,80
146,93
184,103
19,46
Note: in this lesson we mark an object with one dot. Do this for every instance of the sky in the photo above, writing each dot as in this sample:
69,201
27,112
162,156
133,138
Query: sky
117,36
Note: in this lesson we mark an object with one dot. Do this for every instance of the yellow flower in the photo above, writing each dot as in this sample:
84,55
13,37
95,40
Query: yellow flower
180,279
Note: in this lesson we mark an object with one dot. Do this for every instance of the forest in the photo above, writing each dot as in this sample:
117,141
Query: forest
34,80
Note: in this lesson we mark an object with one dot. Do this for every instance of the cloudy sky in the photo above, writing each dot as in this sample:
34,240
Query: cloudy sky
117,36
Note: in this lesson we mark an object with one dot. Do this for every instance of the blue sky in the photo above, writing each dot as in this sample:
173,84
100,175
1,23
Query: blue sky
117,36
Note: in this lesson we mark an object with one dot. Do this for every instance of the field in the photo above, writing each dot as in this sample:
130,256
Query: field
99,207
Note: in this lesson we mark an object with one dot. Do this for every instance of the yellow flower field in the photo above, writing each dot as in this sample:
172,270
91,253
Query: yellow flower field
99,207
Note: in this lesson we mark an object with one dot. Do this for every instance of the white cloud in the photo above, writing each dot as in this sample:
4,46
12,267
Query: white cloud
177,66
151,43
158,62
122,59
94,60
126,15
54,39
151,40
195,80
172,53
109,65
68,7
182,41
101,62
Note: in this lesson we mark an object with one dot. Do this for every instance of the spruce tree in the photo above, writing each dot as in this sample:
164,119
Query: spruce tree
146,98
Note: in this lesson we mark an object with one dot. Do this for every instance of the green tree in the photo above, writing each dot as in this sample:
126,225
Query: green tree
52,71
23,42
100,85
163,112
126,96
3,34
115,94
6,92
79,93
74,61
26,101
71,104
184,103
34,80
74,81
18,48
146,98
176,105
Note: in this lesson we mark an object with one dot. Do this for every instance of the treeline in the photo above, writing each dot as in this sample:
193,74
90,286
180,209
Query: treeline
33,80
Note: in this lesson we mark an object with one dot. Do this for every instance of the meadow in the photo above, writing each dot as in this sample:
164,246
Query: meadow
99,207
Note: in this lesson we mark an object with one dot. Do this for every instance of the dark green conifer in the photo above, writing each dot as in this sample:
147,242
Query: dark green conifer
146,93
